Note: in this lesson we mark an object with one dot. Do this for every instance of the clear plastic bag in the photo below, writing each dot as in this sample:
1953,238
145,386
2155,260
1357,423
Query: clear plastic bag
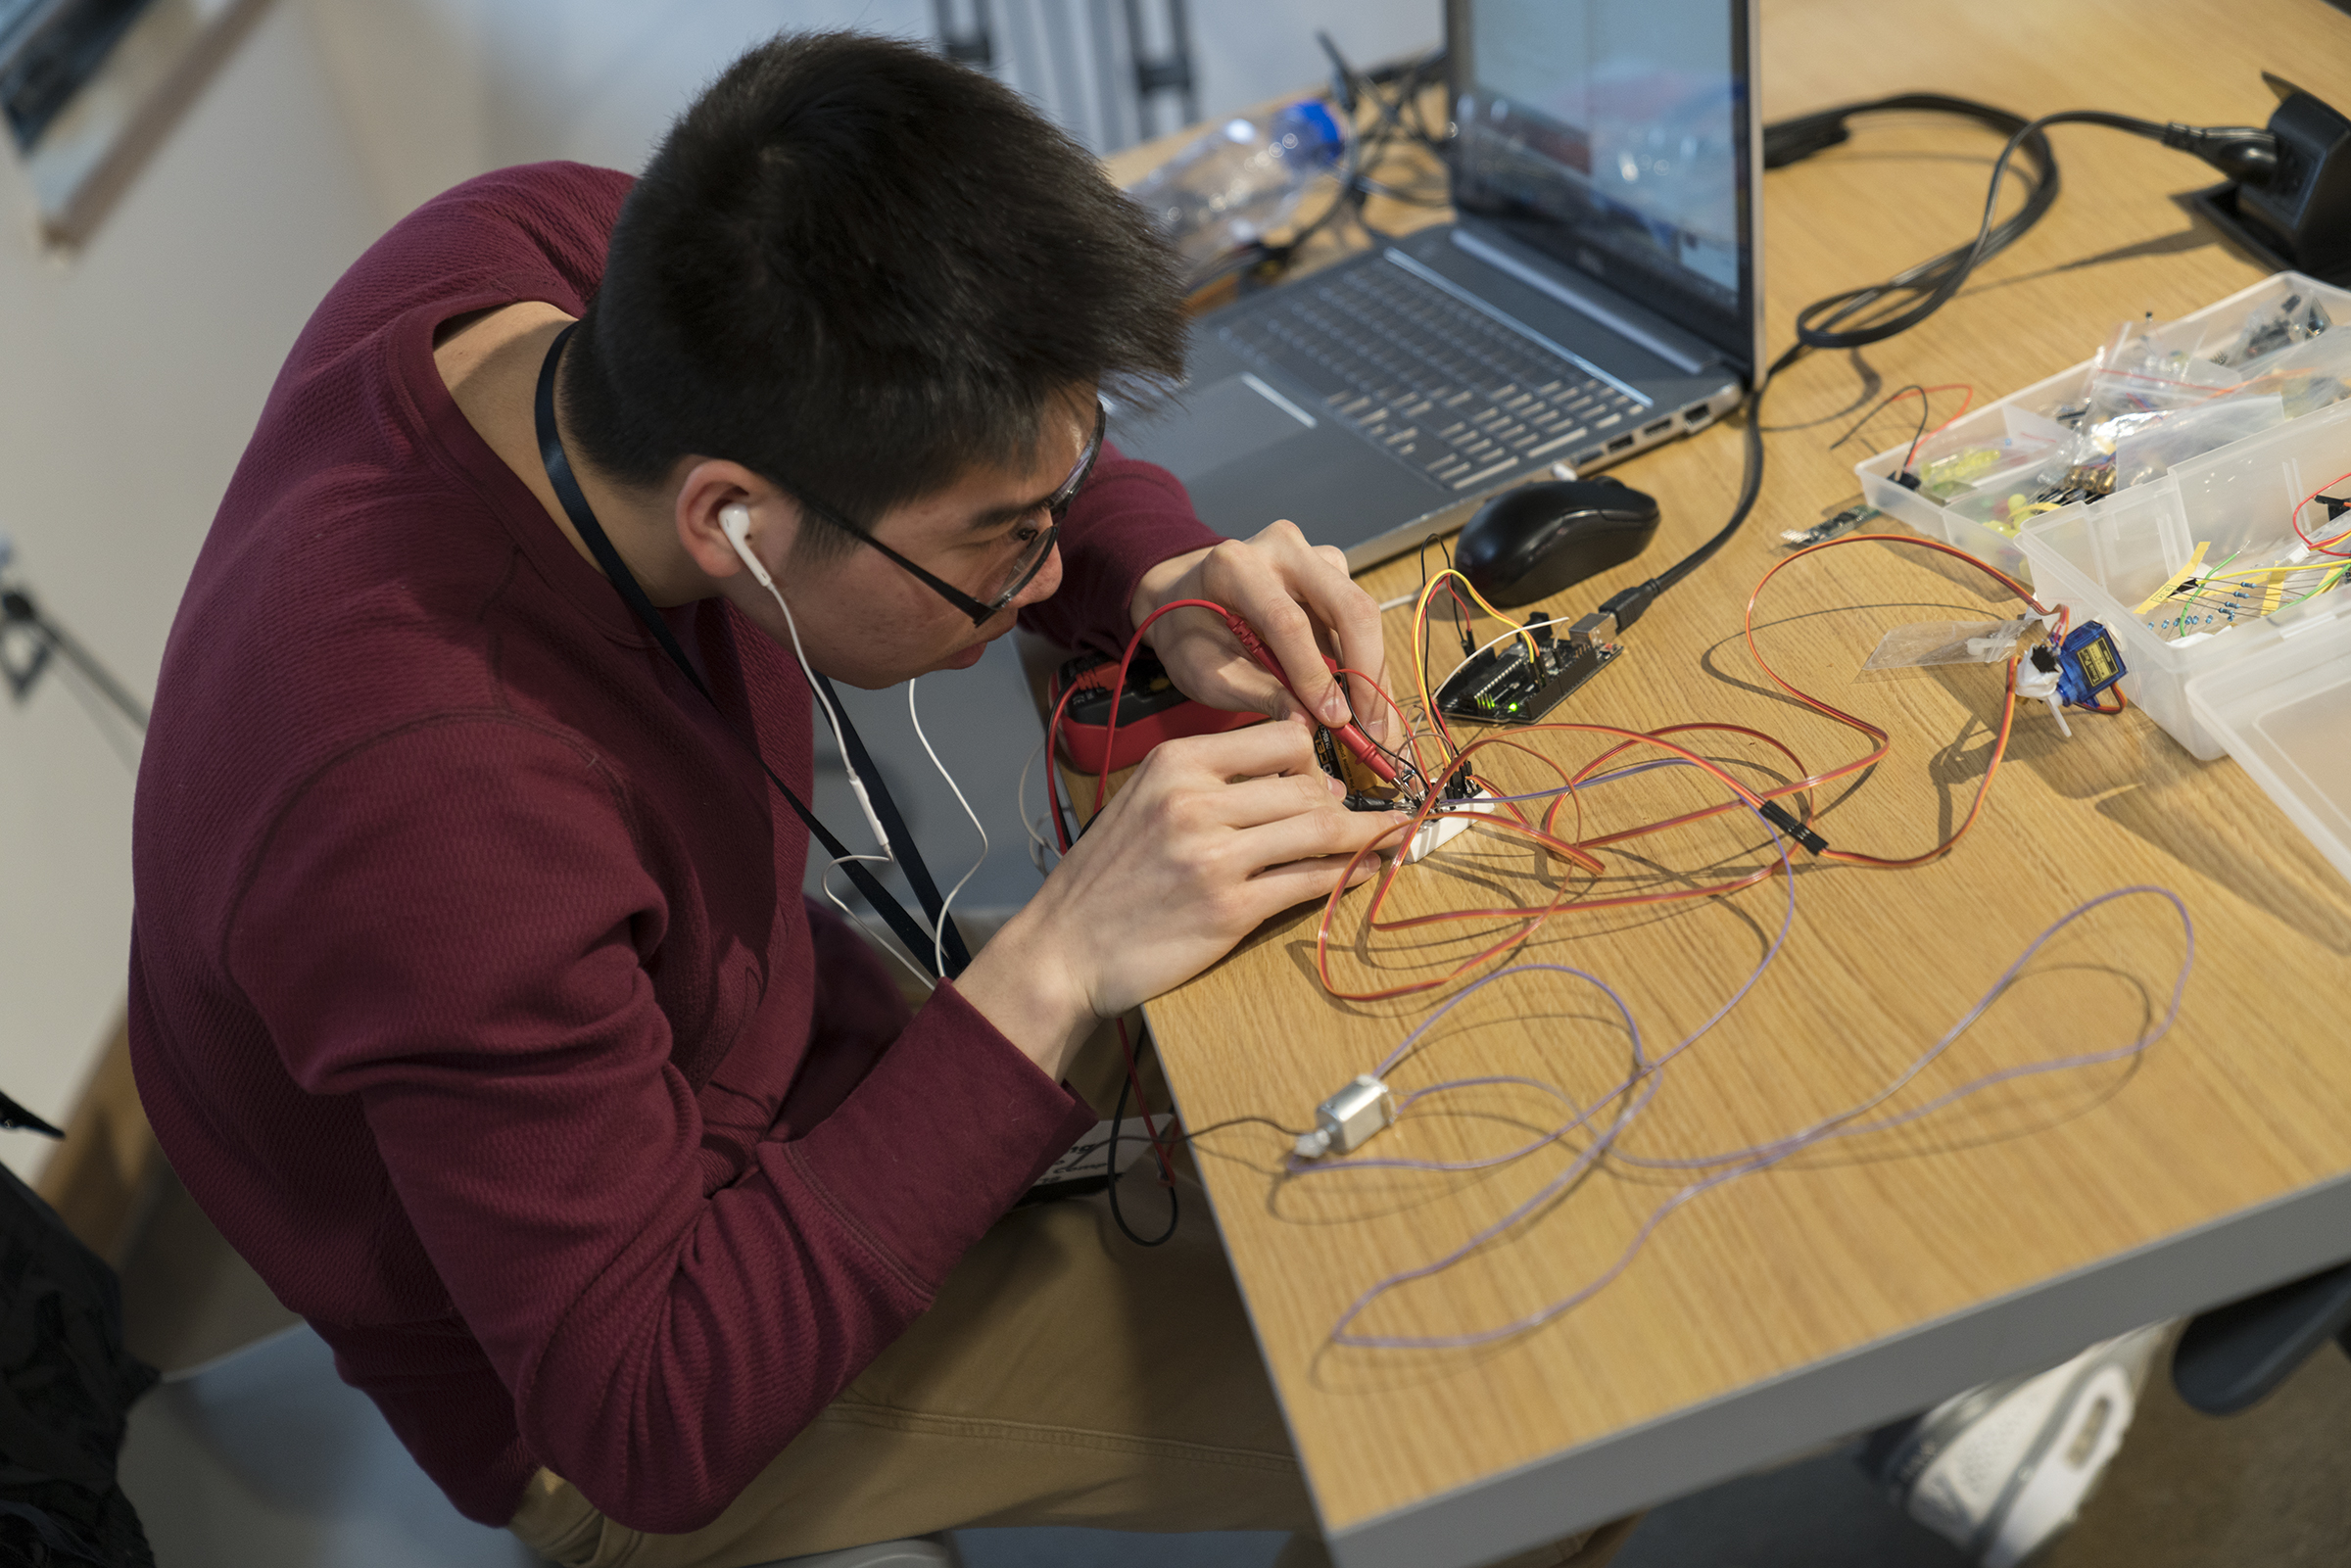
2005,502
2270,328
2137,376
1929,643
2309,375
1954,464
2149,451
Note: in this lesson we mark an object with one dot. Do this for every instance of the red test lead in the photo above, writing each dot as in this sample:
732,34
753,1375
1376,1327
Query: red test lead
1349,735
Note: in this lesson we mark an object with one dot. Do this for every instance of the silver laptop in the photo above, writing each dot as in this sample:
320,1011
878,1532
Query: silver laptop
1599,293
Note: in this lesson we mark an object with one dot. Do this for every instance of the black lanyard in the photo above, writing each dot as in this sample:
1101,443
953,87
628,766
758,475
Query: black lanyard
583,518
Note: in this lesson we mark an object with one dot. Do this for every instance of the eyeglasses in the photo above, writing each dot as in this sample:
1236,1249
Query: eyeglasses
1021,570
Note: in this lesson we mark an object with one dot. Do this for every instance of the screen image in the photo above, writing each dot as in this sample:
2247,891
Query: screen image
1615,123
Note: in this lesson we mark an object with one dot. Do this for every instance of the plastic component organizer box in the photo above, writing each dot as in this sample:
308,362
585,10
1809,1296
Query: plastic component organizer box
2272,689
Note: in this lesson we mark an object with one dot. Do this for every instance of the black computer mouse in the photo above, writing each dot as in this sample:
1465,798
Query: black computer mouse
1537,540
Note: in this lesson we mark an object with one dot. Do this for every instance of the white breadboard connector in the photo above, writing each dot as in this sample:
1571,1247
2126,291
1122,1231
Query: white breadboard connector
1437,832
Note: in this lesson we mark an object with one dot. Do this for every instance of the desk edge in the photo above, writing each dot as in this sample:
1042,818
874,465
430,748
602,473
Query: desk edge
1702,1445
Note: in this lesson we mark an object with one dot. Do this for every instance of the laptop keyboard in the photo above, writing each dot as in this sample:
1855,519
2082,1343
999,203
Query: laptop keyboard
1437,383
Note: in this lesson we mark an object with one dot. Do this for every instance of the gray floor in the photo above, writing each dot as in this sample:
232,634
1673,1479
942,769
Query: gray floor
270,1461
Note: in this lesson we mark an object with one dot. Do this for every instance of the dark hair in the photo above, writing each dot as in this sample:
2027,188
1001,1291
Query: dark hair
860,270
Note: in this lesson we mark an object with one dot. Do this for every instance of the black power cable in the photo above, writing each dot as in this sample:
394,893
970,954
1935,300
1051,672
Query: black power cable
2245,153
1118,1117
2242,152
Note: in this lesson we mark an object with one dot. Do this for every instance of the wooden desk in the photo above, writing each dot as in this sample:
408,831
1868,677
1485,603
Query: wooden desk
1862,1281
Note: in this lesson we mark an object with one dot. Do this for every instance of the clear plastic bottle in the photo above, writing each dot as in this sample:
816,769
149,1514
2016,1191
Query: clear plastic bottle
1240,180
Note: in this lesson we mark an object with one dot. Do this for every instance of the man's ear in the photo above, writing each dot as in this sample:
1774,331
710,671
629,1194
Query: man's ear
711,489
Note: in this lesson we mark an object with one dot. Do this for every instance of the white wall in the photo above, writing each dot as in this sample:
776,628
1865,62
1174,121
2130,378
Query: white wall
1246,54
129,378
439,90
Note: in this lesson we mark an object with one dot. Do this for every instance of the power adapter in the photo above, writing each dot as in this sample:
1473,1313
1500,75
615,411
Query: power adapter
2294,205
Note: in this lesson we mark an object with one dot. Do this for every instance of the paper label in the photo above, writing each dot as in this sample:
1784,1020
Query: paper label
1089,1156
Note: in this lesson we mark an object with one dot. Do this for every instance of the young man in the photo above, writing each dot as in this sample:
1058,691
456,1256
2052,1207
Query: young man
471,990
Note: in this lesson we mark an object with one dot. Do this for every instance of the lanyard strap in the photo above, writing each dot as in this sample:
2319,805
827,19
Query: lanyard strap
583,518
917,873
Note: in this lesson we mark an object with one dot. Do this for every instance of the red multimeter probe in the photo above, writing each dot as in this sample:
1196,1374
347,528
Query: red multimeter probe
1349,735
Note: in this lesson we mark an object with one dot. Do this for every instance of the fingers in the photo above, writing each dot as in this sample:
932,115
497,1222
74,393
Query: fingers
1258,689
1299,589
1284,886
1199,651
1312,836
1300,601
1353,619
1255,753
1254,802
1287,631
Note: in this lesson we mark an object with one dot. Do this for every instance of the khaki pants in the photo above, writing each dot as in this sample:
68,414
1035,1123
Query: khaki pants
1063,1376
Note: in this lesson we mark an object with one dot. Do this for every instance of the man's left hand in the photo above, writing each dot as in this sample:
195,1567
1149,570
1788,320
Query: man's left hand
1301,602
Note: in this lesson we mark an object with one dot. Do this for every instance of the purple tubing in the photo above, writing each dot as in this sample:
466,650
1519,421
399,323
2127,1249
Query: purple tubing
1641,1086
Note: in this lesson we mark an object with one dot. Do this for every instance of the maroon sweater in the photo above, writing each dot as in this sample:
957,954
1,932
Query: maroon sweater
471,990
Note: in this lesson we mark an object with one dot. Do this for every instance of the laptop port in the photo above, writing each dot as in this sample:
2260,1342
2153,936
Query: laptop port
1659,428
1620,442
1695,414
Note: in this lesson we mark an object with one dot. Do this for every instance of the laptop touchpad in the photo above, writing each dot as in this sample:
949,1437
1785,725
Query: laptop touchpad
1221,421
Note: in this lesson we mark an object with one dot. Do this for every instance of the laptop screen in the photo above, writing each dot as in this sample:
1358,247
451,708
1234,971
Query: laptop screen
1617,137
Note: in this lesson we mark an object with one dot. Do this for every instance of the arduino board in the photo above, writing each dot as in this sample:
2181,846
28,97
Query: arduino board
1514,683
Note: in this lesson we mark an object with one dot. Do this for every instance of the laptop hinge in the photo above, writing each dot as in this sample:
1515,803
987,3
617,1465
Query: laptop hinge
1501,260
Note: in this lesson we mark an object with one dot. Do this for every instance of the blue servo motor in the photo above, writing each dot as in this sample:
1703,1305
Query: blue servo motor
2087,664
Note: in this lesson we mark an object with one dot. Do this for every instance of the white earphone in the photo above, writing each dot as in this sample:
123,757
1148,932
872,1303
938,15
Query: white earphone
736,522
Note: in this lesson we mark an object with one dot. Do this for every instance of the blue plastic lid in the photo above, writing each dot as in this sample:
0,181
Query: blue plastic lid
1318,138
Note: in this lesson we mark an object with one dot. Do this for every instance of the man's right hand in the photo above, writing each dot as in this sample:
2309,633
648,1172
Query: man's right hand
1211,837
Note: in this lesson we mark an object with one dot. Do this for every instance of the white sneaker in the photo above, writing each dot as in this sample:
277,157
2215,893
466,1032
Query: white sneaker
2001,1470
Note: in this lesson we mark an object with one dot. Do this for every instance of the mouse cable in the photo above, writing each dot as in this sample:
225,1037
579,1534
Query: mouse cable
1623,608
2244,152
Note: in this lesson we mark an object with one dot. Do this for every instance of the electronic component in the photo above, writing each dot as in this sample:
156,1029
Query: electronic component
2087,664
2071,674
1834,520
1344,1120
1508,684
1464,807
2199,599
1460,794
1366,790
1151,710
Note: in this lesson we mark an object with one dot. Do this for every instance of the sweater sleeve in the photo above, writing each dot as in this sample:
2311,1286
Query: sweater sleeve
457,927
1130,516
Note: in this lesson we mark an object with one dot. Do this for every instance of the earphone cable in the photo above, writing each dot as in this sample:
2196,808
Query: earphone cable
945,922
616,571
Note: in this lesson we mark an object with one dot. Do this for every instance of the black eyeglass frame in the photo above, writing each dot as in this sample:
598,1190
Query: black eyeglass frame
1056,505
